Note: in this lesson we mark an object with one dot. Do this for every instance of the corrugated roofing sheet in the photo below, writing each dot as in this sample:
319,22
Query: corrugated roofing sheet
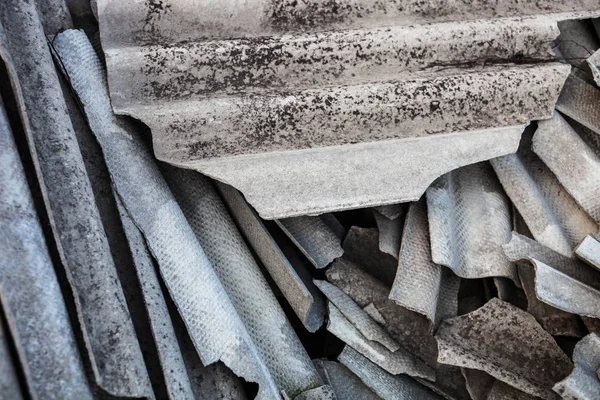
305,106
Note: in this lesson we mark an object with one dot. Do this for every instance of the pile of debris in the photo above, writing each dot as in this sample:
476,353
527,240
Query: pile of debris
401,229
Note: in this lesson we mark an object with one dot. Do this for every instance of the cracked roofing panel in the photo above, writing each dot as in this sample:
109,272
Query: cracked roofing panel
579,100
562,282
214,326
469,221
589,251
507,343
584,381
420,284
319,238
390,232
281,258
345,384
574,163
284,85
118,365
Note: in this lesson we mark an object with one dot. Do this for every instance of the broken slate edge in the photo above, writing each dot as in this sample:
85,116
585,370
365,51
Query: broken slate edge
288,272
344,383
583,383
390,232
589,251
508,344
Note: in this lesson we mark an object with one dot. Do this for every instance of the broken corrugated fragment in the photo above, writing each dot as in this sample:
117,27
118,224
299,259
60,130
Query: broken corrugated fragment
469,221
243,281
210,317
391,211
356,315
384,384
576,165
285,267
589,251
561,282
390,232
361,247
579,100
421,285
344,383
594,64
584,381
319,238
507,343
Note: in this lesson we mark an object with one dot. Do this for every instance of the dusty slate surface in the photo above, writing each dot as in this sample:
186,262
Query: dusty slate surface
507,343
69,199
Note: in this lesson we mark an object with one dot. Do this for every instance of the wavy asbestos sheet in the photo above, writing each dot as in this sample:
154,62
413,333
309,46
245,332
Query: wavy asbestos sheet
584,381
508,344
469,221
483,386
361,246
421,285
31,297
108,331
319,238
9,381
390,233
589,251
576,165
574,221
561,282
594,64
579,100
384,384
216,330
345,384
529,200
245,284
285,267
357,316
177,382
394,362
223,85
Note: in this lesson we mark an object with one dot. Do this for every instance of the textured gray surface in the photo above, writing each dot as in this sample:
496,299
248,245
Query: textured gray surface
508,344
391,211
390,232
584,382
589,251
171,361
224,85
30,295
469,221
579,100
287,270
562,282
421,285
319,238
361,246
216,330
69,200
345,384
529,200
279,347
594,64
396,362
9,380
386,385
576,165
361,320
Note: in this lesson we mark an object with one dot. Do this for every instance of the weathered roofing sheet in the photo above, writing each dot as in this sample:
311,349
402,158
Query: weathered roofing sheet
589,251
584,381
262,94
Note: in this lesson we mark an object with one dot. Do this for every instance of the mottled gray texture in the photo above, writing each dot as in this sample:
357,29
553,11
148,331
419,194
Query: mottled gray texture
390,232
361,246
356,315
287,270
507,343
277,343
589,251
529,200
483,386
584,382
108,332
391,211
386,385
319,238
469,221
594,64
30,295
216,329
421,285
561,282
579,100
396,362
345,384
171,361
576,165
